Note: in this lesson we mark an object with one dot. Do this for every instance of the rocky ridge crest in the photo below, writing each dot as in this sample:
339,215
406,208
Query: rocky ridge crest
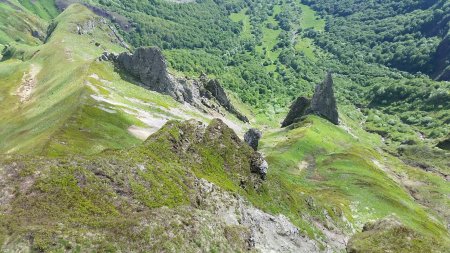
149,67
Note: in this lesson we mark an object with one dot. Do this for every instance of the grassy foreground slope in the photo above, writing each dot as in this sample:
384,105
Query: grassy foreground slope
144,199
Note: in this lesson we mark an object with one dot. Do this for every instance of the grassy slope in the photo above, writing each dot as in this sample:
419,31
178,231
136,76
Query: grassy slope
17,25
45,9
58,85
63,114
341,174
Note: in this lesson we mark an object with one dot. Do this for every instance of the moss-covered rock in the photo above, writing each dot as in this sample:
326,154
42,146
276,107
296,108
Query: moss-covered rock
119,200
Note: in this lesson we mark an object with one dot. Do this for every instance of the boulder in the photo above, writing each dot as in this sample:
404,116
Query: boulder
252,137
259,165
87,27
37,34
323,102
391,235
298,109
107,56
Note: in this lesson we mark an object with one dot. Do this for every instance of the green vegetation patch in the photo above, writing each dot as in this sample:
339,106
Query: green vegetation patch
45,9
244,20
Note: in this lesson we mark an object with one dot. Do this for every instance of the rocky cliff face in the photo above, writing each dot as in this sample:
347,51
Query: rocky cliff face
214,87
149,67
323,103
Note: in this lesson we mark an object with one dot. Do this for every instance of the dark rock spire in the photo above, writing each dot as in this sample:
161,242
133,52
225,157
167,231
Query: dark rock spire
323,102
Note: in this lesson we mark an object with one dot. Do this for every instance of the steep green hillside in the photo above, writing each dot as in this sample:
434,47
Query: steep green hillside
57,99
341,170
17,25
44,84
119,200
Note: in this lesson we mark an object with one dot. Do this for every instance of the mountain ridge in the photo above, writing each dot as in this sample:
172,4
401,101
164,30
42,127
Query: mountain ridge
91,161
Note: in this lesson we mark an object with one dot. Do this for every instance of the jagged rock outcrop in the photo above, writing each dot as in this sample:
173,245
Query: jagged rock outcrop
149,67
298,109
86,27
259,165
323,103
191,137
252,137
214,87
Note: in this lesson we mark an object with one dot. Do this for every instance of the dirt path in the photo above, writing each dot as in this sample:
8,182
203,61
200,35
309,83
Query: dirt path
28,84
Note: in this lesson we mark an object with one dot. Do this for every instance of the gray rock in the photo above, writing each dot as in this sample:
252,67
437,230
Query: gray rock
149,67
444,144
259,165
252,137
298,109
38,35
87,27
107,56
386,223
214,87
267,232
323,102
104,56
